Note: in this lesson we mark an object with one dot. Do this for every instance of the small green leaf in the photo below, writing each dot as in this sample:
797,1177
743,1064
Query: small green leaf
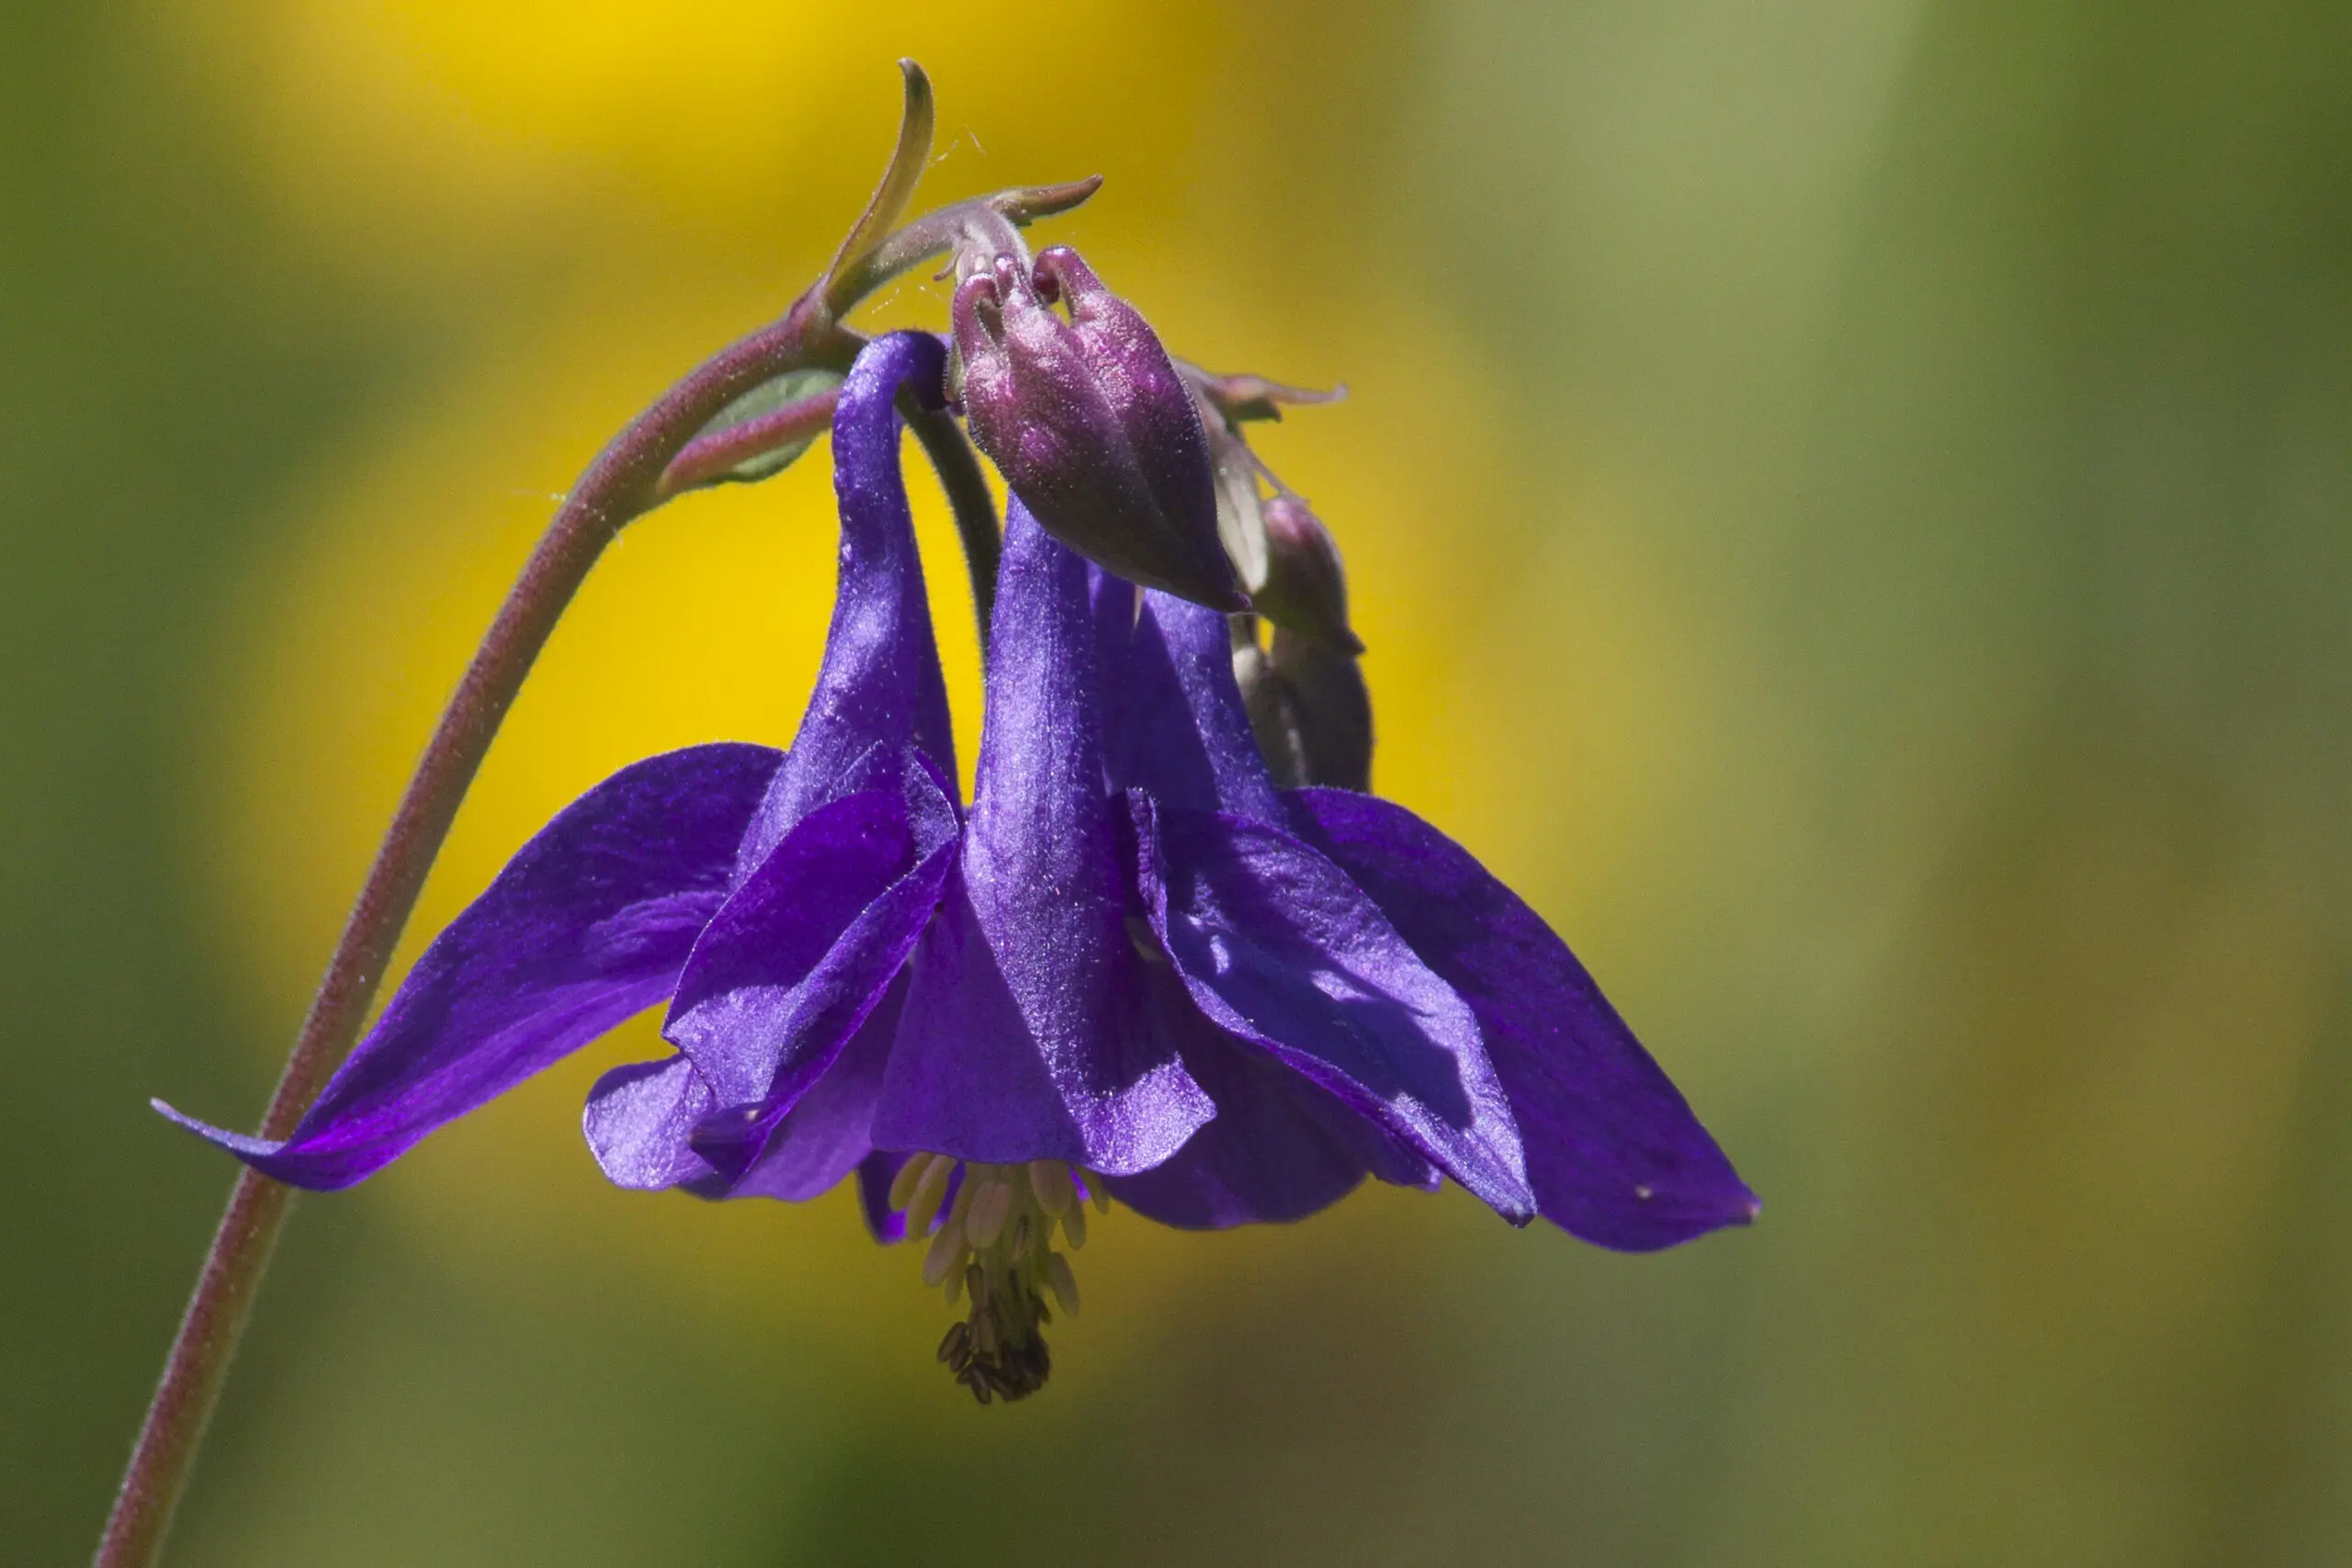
768,398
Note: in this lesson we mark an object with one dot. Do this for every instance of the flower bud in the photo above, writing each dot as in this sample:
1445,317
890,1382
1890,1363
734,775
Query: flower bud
1090,424
1309,709
1306,587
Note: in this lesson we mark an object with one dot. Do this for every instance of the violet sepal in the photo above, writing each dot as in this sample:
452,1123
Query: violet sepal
588,925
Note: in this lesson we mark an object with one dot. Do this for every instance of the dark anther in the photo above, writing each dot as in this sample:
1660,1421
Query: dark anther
997,1351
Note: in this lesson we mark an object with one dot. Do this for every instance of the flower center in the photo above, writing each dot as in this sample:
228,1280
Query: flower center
991,1229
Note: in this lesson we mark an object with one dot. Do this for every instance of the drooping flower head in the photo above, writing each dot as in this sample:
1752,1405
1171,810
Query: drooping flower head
1154,975
1053,1036
1137,969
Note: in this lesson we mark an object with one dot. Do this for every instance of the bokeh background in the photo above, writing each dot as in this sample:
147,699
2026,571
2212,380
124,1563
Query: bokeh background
1852,506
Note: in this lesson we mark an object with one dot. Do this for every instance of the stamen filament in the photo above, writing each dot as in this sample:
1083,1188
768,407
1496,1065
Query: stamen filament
924,1206
1064,1283
946,1252
1055,1191
910,1175
993,1254
963,1196
990,1210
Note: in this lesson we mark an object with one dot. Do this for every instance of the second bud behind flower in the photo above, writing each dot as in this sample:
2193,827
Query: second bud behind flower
1090,424
1306,589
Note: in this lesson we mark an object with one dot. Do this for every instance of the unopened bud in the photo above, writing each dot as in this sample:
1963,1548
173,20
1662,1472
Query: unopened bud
1309,709
1090,425
1306,589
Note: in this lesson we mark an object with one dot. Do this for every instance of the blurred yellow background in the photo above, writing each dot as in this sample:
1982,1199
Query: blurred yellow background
1847,502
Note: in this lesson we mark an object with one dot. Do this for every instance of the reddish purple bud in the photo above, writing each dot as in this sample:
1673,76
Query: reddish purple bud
1090,424
1306,589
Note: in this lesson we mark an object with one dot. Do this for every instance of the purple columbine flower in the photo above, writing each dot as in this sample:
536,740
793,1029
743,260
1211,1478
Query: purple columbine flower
1136,969
1151,975
1046,1043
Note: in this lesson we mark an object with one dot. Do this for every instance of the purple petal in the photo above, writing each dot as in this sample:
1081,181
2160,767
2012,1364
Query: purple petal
1613,1152
1028,1032
828,1131
588,925
1279,947
638,1119
789,968
880,683
1280,1148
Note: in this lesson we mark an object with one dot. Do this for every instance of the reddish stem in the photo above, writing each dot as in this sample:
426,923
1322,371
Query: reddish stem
710,457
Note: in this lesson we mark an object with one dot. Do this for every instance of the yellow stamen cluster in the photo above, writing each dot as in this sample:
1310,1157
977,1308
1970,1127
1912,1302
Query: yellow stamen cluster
994,1248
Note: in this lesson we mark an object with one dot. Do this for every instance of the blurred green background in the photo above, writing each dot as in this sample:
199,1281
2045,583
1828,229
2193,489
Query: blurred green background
1850,506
